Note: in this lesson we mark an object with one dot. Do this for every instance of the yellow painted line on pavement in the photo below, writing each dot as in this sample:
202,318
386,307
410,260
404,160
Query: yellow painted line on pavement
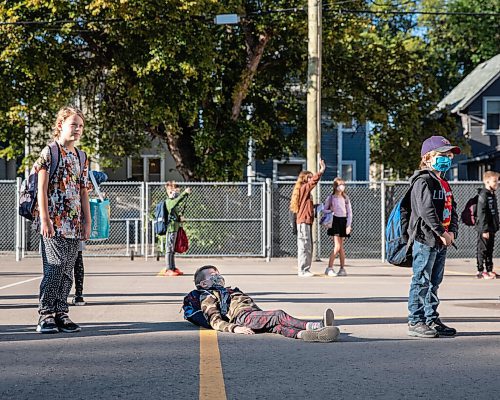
20,283
447,272
211,378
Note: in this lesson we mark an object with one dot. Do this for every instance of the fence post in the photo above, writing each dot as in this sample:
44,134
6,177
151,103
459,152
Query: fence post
127,225
18,222
146,224
143,212
269,222
382,217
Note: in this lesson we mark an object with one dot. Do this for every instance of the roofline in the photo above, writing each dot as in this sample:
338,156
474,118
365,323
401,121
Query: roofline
457,108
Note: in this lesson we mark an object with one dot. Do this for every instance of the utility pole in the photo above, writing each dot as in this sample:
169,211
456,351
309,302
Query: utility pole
314,8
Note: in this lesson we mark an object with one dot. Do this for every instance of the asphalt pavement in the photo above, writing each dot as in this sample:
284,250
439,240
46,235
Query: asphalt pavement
134,343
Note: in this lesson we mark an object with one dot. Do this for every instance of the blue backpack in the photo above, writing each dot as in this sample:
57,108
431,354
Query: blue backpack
398,245
192,305
161,218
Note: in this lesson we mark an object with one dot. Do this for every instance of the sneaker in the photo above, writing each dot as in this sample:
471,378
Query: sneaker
171,272
179,272
323,335
442,329
305,274
492,275
342,272
330,272
78,301
328,317
486,275
421,330
479,275
65,324
47,324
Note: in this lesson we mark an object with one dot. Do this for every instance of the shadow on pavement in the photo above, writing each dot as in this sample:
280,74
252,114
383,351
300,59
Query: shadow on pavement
16,333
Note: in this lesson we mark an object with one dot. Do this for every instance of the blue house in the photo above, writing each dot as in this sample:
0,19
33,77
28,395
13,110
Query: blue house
345,147
476,103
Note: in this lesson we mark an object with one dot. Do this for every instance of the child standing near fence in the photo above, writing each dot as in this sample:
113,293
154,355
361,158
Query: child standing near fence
433,227
174,201
62,216
340,205
487,224
302,205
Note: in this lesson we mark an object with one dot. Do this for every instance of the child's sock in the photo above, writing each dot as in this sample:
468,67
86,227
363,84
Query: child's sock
314,326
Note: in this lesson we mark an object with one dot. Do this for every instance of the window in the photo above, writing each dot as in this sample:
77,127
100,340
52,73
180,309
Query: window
348,126
288,170
145,168
492,115
348,170
137,169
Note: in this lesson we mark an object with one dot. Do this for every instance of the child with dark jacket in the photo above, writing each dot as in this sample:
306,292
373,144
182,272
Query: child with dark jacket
433,227
231,310
487,224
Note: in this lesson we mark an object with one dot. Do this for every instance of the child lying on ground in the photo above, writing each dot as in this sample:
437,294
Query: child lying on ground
231,310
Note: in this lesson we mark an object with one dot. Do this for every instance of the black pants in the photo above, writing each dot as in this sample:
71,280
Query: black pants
79,275
485,252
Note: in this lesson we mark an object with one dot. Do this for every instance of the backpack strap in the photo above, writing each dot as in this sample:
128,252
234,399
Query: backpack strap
82,157
55,154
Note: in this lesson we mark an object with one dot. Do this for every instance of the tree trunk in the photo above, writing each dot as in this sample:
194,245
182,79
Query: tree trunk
255,50
180,145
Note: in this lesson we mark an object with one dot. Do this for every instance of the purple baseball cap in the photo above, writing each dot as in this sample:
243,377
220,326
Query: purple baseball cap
438,143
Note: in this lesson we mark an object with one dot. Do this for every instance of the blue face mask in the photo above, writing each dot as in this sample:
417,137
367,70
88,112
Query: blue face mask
441,163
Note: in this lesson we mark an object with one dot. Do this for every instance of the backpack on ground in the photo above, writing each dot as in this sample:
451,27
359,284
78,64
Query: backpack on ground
29,186
469,212
398,246
161,218
192,309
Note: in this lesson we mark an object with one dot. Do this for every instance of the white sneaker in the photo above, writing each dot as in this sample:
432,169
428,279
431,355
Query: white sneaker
328,317
330,272
341,272
305,274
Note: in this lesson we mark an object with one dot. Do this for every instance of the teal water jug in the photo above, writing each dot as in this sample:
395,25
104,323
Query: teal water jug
100,214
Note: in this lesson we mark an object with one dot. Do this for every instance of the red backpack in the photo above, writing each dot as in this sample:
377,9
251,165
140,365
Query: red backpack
181,242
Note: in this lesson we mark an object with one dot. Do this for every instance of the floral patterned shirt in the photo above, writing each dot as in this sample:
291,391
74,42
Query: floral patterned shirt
64,201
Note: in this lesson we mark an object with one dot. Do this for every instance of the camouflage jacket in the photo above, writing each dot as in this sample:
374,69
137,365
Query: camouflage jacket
238,303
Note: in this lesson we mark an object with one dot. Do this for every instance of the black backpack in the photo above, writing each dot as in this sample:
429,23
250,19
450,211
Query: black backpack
469,212
29,186
161,218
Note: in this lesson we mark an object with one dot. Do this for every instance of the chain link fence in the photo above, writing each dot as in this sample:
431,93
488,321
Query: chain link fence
233,219
221,219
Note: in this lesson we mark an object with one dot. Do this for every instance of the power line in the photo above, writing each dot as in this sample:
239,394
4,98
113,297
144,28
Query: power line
327,8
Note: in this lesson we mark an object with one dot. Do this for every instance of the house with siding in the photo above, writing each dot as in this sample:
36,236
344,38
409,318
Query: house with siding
345,147
475,102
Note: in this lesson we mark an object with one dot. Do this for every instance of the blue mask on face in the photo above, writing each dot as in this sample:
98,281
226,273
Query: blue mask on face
441,163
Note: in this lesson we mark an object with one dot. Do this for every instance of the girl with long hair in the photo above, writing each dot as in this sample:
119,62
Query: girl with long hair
302,205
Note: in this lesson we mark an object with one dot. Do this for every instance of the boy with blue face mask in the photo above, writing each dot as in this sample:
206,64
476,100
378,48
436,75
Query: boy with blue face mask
432,228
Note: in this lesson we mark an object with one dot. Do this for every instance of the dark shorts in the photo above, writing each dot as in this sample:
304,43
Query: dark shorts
339,225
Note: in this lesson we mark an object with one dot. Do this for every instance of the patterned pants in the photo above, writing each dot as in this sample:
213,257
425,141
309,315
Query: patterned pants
79,275
58,257
170,249
275,321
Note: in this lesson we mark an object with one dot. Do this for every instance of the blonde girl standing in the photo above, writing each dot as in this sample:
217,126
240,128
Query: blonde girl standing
302,205
340,205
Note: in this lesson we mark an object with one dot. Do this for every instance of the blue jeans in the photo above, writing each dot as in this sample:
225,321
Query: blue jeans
428,271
